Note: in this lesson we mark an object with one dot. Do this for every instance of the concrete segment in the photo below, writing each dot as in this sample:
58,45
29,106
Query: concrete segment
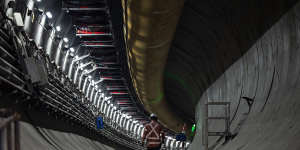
35,138
209,38
269,74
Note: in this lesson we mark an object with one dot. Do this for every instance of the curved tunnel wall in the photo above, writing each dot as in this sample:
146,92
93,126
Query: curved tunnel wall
55,140
269,74
148,31
209,38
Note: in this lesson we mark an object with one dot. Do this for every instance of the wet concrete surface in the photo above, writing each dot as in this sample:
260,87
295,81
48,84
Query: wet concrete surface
269,74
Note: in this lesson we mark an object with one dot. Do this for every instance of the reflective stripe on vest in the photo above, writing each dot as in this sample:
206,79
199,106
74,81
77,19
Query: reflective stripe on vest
154,143
153,130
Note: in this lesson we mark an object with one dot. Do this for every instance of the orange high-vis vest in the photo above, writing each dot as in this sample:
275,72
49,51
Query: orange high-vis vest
152,132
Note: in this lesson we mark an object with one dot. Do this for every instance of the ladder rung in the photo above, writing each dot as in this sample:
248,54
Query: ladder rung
217,117
218,103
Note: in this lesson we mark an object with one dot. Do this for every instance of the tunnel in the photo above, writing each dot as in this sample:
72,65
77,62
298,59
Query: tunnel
88,74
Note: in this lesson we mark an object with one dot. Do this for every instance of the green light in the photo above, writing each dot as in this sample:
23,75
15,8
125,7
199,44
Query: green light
181,81
158,98
193,128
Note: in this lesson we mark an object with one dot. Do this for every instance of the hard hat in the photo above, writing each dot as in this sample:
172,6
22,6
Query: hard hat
153,115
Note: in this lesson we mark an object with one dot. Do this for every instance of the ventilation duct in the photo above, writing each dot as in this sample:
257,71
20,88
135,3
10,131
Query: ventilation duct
149,28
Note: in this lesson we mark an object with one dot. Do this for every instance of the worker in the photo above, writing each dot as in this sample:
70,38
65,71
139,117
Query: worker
153,134
184,128
182,136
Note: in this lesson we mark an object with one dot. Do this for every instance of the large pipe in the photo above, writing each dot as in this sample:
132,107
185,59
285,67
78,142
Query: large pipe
150,26
17,135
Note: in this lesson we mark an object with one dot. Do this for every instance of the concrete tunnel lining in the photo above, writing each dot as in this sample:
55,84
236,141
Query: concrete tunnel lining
209,38
267,73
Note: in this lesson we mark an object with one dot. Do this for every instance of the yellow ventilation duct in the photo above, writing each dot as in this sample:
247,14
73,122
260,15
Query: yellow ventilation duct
149,26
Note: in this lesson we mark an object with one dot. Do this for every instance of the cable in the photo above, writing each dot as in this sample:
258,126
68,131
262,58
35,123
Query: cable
3,34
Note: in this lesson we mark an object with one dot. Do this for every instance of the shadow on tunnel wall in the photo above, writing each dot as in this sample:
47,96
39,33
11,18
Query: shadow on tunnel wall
210,37
268,74
40,119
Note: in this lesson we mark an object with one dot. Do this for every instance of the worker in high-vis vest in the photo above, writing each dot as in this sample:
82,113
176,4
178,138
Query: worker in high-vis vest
153,134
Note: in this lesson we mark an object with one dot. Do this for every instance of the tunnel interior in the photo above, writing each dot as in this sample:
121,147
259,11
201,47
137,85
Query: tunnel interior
65,63
209,38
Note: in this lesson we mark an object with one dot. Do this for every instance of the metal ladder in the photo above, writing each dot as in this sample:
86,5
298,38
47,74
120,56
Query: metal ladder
205,132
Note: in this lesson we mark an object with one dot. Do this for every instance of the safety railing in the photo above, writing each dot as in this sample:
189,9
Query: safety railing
63,99
60,99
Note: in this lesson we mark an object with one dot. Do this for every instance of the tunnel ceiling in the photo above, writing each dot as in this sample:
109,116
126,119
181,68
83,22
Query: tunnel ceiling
170,71
210,36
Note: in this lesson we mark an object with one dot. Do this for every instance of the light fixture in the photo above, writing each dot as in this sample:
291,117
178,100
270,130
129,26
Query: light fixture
58,28
38,0
90,77
66,39
107,98
72,49
49,14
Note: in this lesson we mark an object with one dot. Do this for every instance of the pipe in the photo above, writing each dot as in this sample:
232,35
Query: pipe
150,26
9,137
7,121
17,135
